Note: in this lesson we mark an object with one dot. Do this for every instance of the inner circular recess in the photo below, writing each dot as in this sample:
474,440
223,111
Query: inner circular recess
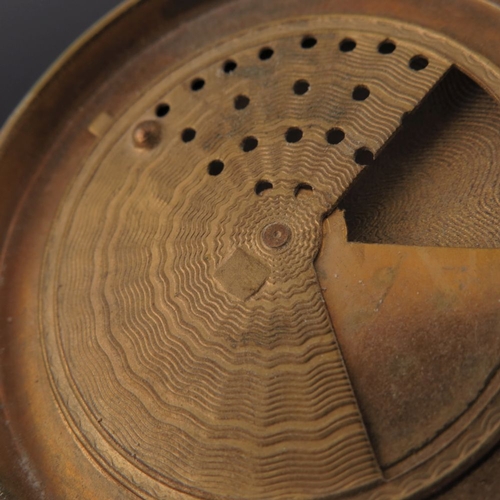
188,288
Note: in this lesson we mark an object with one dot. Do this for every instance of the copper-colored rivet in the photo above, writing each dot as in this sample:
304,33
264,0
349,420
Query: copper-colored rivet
147,135
276,235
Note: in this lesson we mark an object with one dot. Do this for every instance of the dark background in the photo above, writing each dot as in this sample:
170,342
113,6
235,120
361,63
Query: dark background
33,33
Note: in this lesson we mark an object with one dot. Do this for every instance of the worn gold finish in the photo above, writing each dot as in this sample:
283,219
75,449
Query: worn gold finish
257,257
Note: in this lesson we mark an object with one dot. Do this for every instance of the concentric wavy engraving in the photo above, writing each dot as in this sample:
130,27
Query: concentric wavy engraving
418,193
203,391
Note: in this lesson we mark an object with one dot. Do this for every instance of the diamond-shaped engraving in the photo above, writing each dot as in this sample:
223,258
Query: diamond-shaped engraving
242,275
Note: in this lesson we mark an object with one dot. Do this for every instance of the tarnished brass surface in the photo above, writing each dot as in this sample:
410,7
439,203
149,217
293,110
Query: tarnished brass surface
251,250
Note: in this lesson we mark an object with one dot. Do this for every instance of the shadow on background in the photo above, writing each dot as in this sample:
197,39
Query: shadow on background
33,33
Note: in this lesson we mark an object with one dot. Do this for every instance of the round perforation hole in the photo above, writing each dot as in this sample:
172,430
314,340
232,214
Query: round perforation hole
363,156
361,93
308,42
266,53
294,134
249,144
335,136
162,110
197,84
188,135
387,47
215,167
229,66
347,45
301,87
241,102
262,186
418,63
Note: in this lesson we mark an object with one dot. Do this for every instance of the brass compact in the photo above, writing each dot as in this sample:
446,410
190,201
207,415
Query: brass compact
251,250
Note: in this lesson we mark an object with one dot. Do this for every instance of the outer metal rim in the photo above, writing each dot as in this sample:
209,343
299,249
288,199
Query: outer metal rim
477,36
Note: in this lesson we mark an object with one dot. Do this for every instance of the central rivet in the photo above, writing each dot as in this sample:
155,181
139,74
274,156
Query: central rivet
276,235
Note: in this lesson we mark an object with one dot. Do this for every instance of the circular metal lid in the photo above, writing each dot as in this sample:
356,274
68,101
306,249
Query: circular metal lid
251,250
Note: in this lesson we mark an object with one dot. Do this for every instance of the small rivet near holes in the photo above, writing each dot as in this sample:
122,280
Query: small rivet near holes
147,135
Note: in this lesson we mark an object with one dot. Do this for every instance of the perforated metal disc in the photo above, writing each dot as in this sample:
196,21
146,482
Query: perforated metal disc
251,252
